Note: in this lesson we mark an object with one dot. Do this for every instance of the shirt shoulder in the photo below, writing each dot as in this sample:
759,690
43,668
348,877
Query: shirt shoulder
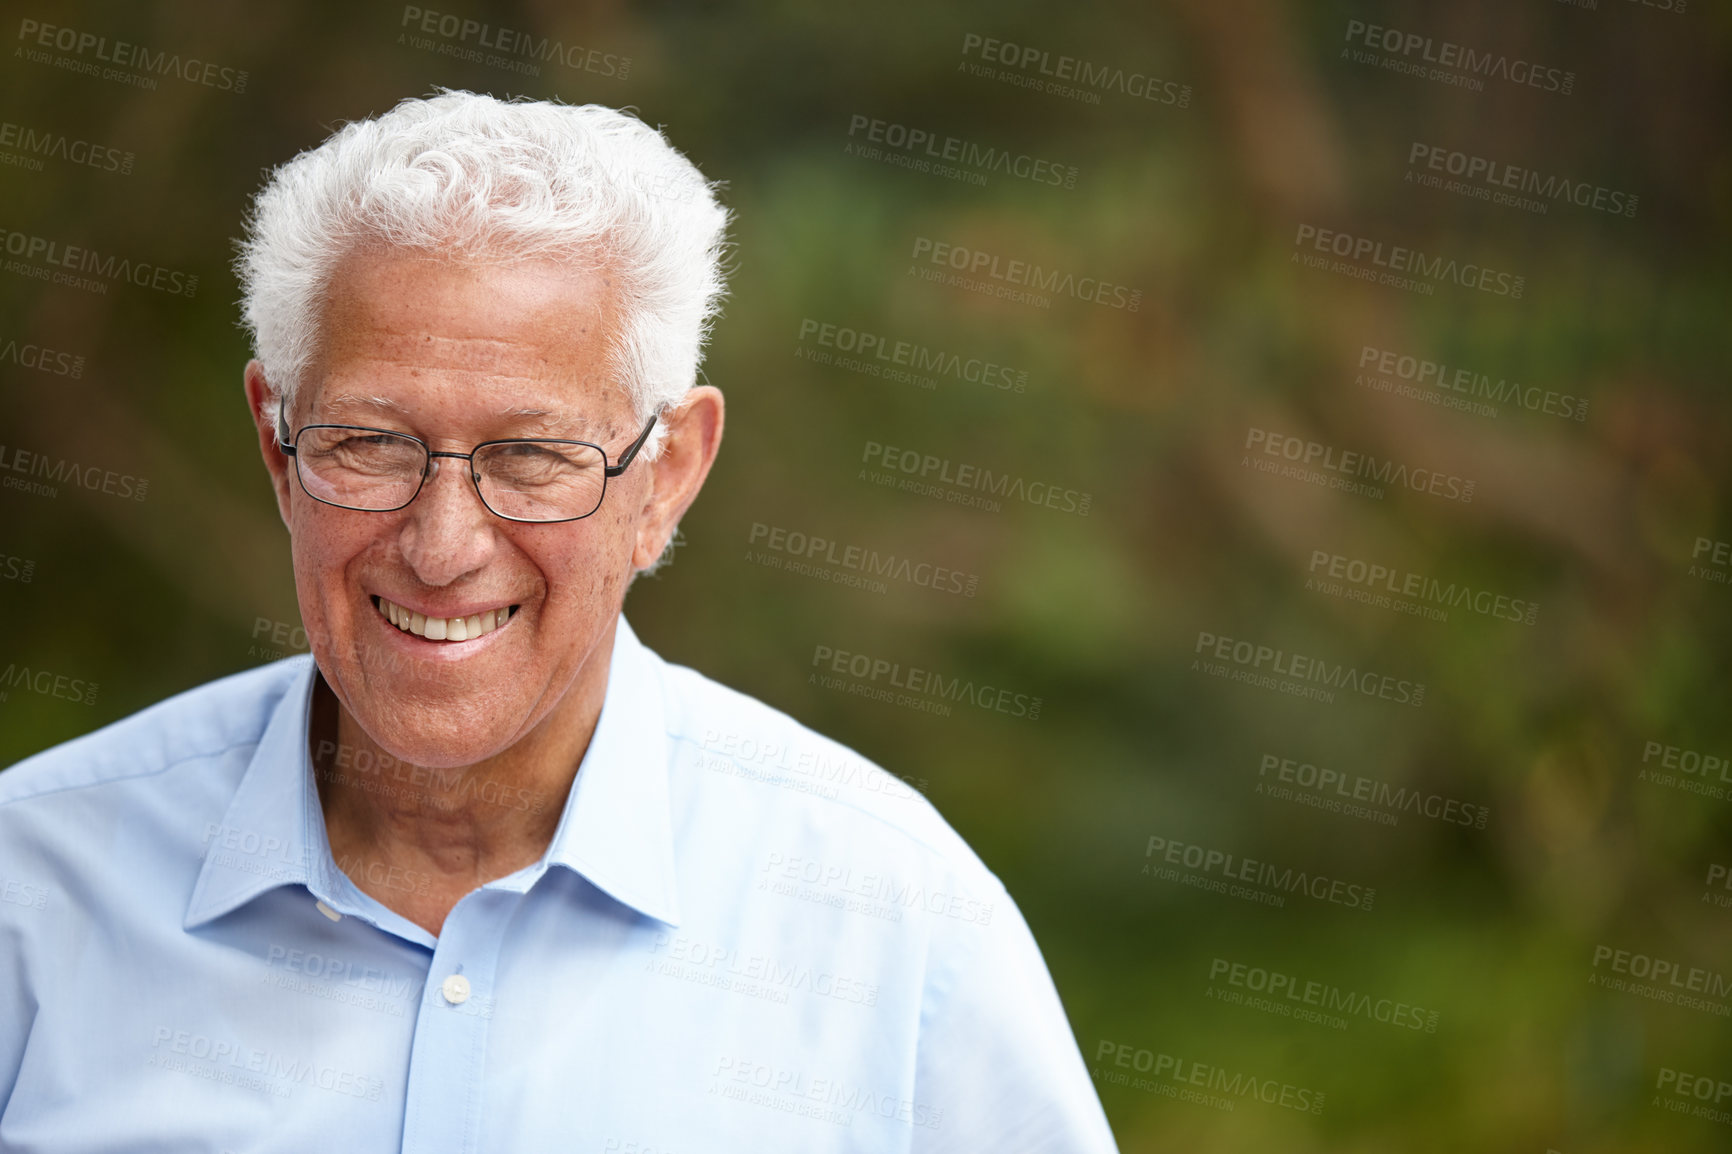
202,722
735,735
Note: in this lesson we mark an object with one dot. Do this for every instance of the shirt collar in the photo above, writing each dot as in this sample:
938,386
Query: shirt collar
616,829
263,840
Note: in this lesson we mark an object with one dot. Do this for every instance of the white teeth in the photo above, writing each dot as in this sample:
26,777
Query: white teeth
443,628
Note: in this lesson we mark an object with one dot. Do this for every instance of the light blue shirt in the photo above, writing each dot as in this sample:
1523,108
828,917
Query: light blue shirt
743,937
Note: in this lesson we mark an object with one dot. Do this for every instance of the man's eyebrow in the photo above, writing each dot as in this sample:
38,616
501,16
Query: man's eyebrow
385,404
548,418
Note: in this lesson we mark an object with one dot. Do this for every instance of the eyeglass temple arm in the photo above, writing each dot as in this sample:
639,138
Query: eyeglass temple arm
283,445
625,458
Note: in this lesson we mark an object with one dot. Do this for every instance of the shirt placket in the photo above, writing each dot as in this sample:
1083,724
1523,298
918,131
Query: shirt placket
443,1104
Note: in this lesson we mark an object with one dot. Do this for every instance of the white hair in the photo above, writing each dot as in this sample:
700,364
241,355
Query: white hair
479,178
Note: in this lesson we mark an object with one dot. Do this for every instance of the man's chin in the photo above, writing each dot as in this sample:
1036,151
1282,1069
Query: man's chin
433,729
428,747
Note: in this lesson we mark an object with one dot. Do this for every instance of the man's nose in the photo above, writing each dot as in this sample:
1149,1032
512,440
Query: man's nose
449,532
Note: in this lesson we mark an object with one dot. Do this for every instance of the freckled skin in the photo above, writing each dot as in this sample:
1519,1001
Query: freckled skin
459,349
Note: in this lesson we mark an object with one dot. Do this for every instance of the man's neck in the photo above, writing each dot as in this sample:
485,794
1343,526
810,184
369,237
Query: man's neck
418,839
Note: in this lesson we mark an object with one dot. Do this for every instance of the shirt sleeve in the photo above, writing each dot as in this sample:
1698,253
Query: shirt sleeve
998,1068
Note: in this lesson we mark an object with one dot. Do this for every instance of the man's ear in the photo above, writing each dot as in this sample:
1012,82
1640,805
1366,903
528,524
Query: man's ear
693,437
263,402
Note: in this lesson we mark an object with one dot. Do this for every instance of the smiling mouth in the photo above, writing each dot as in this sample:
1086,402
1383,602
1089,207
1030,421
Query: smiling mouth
448,629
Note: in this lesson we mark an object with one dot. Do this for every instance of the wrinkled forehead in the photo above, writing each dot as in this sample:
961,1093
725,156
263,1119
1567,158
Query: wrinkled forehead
424,295
405,332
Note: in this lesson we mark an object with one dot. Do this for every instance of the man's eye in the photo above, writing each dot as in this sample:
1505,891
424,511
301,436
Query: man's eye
368,451
526,453
532,456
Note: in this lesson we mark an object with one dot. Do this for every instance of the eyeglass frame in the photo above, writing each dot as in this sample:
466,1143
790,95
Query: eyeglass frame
626,456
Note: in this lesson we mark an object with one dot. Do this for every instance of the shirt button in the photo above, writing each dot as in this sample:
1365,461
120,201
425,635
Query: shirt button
456,989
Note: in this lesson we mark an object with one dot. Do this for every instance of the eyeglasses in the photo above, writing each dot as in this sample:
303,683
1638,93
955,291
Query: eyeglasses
380,471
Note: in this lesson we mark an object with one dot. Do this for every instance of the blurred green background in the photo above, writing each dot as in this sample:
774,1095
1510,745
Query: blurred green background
1507,933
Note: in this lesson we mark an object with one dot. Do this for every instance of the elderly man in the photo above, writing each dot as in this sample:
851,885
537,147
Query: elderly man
484,873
